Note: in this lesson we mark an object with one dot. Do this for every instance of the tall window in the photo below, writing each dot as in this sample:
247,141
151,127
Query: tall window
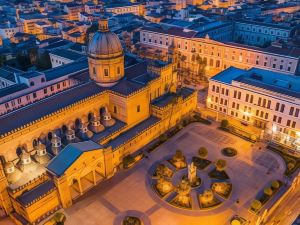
106,72
118,70
115,109
138,108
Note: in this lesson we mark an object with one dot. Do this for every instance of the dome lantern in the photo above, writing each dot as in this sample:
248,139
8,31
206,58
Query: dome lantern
103,24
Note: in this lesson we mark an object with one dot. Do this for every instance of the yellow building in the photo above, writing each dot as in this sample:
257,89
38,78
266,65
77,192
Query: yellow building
55,150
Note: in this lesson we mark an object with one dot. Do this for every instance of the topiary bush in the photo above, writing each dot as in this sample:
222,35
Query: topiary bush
268,191
275,184
256,205
220,164
224,124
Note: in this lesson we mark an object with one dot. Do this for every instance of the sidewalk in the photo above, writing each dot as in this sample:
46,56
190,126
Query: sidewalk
210,114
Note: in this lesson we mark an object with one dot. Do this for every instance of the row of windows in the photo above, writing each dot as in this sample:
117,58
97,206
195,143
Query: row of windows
224,91
19,101
229,55
264,30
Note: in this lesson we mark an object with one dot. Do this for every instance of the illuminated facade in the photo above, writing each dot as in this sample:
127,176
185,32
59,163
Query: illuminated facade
265,99
218,55
55,150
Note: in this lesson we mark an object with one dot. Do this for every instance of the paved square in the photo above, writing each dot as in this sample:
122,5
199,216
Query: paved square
129,191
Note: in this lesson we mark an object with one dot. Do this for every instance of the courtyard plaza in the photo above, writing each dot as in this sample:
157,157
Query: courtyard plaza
129,192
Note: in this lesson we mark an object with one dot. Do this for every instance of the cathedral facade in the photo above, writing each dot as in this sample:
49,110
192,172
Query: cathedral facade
54,150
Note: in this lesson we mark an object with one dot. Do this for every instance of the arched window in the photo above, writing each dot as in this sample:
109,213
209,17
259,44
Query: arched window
31,83
43,80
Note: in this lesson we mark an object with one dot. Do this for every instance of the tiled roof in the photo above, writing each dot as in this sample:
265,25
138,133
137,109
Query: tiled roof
60,163
28,197
167,98
68,54
134,131
37,110
175,31
126,87
12,89
277,82
70,68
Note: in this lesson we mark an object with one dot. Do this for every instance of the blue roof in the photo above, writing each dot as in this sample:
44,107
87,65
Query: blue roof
28,197
226,76
12,89
269,80
37,110
60,163
66,69
134,131
167,98
68,54
30,74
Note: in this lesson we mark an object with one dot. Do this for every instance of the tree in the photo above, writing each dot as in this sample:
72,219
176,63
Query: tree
256,205
275,184
2,60
220,164
224,124
90,32
43,61
202,152
268,191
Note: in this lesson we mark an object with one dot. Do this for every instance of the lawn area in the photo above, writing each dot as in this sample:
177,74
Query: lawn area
292,162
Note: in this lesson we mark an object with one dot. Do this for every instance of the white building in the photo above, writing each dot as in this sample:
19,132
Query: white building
34,86
218,55
257,33
61,57
8,31
265,99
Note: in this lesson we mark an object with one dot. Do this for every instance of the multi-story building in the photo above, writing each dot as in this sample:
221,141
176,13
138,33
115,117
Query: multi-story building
64,56
28,87
29,22
260,34
265,99
73,10
137,9
9,30
218,55
55,150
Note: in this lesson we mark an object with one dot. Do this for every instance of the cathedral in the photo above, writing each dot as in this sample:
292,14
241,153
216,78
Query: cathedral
56,149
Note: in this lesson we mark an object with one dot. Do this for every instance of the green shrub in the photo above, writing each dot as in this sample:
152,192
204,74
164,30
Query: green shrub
268,191
127,160
220,164
224,124
275,184
256,205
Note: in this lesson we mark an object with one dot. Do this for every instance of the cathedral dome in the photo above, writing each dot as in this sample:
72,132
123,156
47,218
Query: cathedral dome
105,56
104,44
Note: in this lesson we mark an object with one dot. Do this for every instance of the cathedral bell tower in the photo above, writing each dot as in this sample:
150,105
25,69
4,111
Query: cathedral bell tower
105,56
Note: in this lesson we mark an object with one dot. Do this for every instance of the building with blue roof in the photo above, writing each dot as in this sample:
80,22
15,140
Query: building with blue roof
262,98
